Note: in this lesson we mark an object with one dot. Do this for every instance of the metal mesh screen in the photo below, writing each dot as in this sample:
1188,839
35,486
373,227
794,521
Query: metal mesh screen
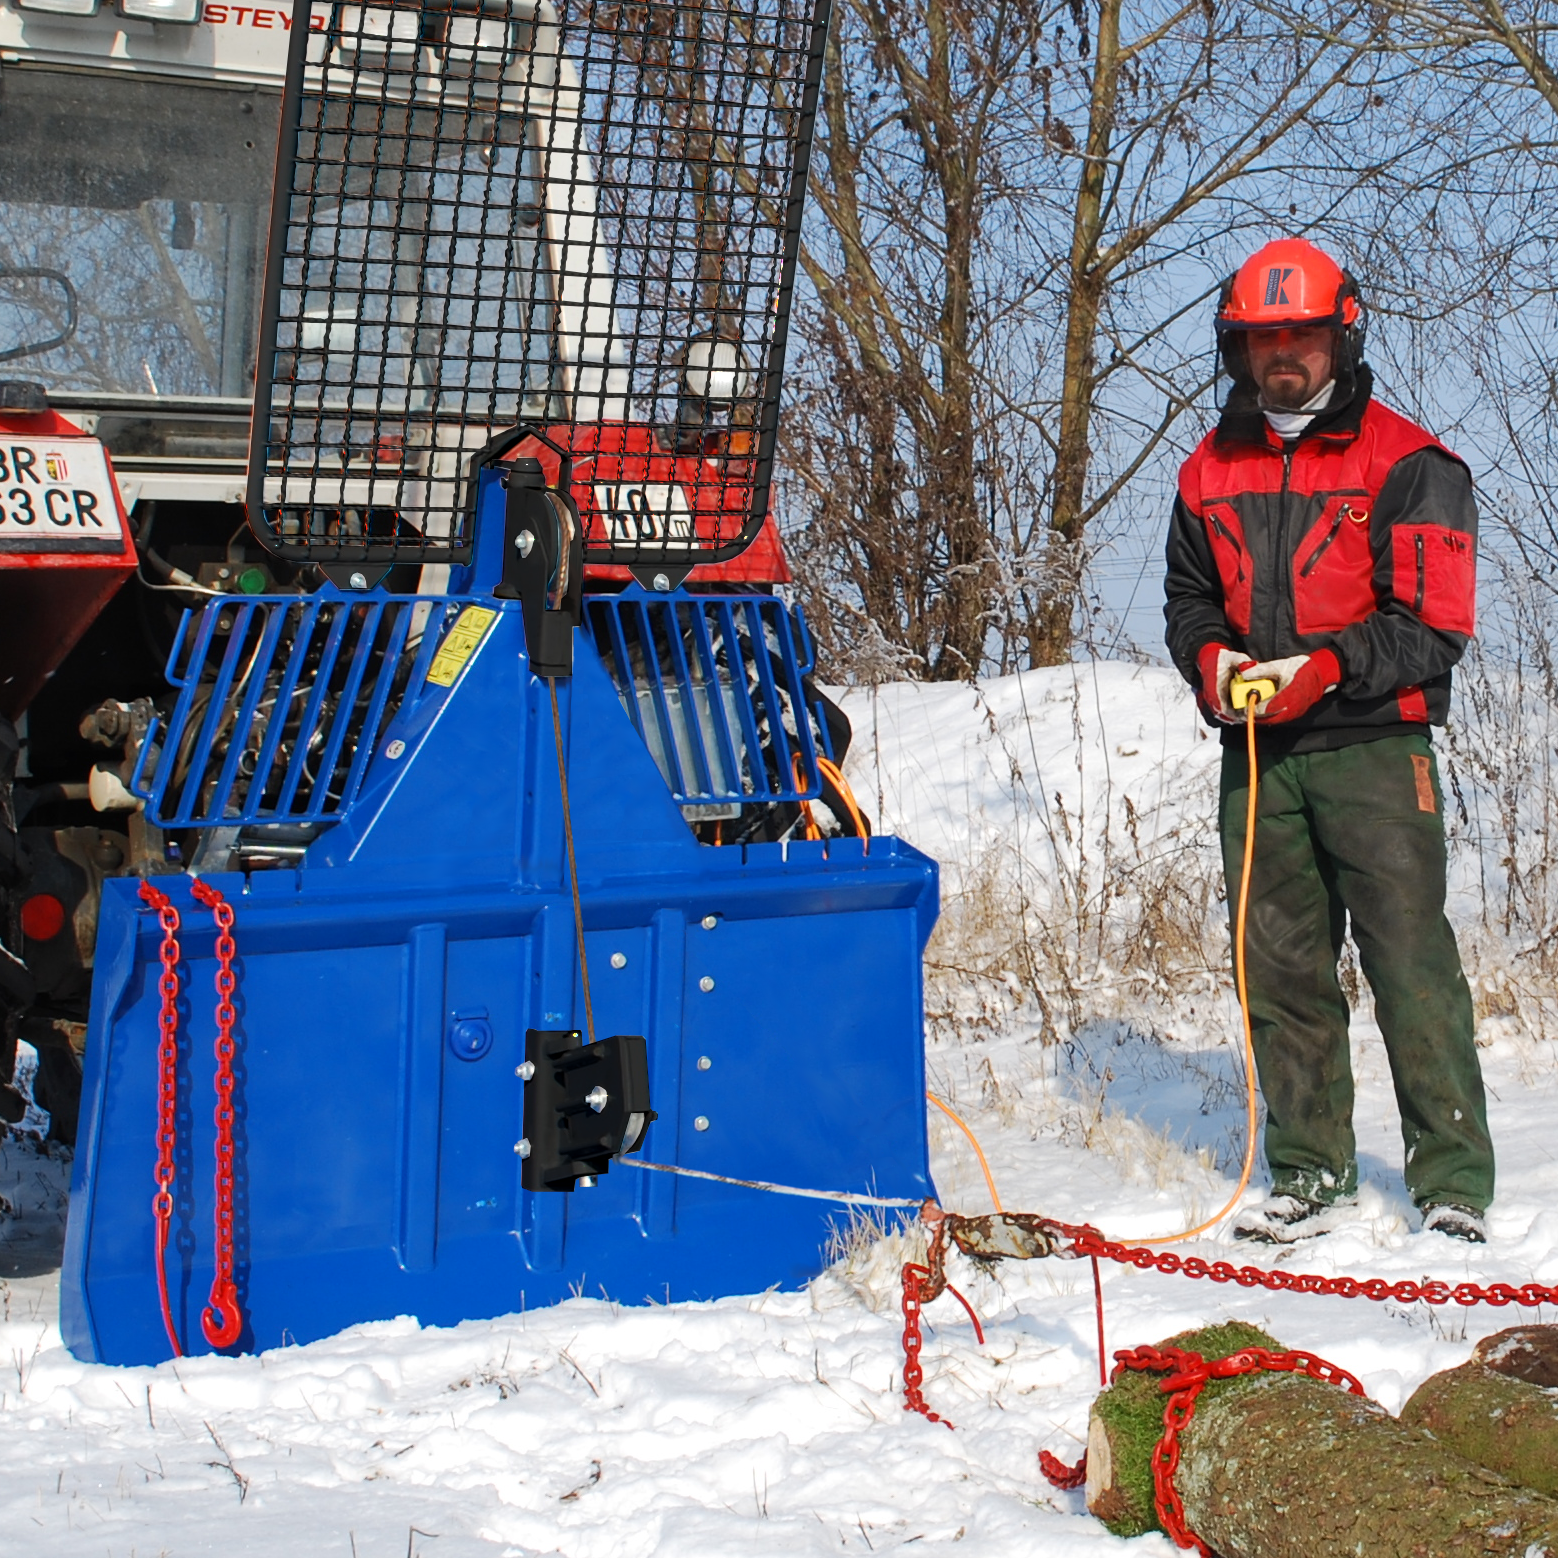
495,215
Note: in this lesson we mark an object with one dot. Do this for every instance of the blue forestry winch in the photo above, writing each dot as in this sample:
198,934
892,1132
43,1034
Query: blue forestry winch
517,845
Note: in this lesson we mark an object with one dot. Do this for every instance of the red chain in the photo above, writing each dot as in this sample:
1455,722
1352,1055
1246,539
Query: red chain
1086,1240
914,1278
167,1095
222,1320
1061,1475
1188,1374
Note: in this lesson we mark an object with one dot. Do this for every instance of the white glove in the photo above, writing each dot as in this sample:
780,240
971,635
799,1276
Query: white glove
1228,661
1281,672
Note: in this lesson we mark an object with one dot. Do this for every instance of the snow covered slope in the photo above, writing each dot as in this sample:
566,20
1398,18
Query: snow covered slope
772,1425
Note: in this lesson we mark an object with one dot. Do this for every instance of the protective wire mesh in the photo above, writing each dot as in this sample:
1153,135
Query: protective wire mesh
501,215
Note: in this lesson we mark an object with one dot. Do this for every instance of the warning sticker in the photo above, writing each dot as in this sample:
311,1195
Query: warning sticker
460,644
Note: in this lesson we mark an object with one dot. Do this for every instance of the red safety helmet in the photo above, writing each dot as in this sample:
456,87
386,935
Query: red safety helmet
1289,283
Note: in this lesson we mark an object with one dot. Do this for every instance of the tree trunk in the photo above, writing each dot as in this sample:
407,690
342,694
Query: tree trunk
1283,1466
1497,1419
1049,638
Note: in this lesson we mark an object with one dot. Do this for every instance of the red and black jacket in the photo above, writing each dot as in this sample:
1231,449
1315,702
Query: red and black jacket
1359,536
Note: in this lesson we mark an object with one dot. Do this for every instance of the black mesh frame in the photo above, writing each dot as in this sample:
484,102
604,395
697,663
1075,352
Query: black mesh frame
495,216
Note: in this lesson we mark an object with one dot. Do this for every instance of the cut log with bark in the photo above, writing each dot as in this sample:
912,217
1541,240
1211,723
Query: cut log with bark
1496,1410
1284,1466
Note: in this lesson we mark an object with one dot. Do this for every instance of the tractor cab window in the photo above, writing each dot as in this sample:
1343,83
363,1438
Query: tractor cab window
133,216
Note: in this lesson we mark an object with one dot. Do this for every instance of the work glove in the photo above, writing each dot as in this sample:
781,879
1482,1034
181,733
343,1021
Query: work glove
1217,663
1302,681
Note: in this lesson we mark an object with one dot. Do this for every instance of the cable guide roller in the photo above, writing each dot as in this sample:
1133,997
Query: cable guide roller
585,1104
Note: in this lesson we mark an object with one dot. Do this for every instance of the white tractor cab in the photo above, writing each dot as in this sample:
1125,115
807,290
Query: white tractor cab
451,284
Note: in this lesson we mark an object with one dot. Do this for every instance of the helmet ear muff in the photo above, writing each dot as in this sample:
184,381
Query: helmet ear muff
1354,316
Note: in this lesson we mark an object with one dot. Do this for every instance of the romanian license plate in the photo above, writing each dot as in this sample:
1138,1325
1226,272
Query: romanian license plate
650,513
56,495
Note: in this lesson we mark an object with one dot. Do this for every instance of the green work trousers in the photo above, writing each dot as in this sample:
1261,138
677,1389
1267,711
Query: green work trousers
1356,833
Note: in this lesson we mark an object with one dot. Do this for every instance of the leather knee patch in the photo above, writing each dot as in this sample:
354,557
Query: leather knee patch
1423,773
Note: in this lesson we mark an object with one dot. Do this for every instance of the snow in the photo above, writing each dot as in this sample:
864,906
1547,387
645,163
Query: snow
772,1424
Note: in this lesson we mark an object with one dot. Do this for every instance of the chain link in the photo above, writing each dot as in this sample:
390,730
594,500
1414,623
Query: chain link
167,1094
221,1320
914,1278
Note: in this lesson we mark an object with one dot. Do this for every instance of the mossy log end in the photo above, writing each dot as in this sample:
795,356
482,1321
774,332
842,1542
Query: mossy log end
1492,1419
1284,1466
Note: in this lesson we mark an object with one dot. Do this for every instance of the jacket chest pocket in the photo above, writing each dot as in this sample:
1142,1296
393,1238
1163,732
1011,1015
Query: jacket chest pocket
1226,535
1434,571
1333,568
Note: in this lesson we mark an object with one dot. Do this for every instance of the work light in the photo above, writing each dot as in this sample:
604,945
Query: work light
185,11
61,7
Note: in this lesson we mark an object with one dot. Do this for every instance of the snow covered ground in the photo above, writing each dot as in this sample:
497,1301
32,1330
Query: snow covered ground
772,1424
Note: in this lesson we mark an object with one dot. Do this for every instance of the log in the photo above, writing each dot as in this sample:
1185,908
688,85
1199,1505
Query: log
1495,1413
1284,1466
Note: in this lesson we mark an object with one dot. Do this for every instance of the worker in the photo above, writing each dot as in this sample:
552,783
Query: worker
1327,543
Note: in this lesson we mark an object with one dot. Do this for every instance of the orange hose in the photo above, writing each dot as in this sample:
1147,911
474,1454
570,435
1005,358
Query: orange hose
1250,1103
973,1142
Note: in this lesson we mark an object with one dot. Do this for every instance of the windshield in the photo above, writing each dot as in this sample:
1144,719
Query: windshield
133,218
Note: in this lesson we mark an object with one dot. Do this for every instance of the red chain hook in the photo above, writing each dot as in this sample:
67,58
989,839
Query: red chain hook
167,1094
222,1320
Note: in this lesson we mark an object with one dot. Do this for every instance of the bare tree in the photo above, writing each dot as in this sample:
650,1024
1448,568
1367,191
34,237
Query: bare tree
1022,212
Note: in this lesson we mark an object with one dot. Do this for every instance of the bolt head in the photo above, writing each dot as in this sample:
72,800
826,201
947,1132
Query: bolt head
395,748
701,1123
523,542
358,581
585,1182
704,1062
597,1098
705,984
662,582
525,1070
710,921
619,960
522,1146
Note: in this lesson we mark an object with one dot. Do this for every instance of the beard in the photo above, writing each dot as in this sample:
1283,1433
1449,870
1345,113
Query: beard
1286,385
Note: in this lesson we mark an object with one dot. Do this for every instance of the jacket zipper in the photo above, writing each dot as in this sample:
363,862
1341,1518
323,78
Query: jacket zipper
1284,601
1228,536
1319,551
1417,599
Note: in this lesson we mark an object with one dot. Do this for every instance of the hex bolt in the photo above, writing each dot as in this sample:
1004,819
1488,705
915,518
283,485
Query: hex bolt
359,581
523,543
597,1098
705,984
701,1123
710,921
704,1062
662,582
619,960
525,1070
522,1146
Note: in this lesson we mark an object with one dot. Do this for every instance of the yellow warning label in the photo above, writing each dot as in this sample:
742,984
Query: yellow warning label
460,644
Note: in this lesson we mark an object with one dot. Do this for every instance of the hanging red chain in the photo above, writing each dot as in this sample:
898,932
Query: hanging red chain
167,1094
1061,1475
913,1376
222,1320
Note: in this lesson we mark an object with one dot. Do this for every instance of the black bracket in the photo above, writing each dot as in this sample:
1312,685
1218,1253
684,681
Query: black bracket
585,1104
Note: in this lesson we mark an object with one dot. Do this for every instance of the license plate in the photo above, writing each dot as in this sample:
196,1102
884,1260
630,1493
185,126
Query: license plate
649,512
56,495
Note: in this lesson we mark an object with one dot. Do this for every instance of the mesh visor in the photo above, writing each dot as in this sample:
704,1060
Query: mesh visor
509,217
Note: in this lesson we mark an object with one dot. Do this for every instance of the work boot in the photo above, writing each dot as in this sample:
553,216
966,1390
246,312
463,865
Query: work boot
1459,1222
1283,1219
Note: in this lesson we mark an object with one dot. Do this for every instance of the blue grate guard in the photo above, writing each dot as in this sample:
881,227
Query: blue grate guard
715,686
282,701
